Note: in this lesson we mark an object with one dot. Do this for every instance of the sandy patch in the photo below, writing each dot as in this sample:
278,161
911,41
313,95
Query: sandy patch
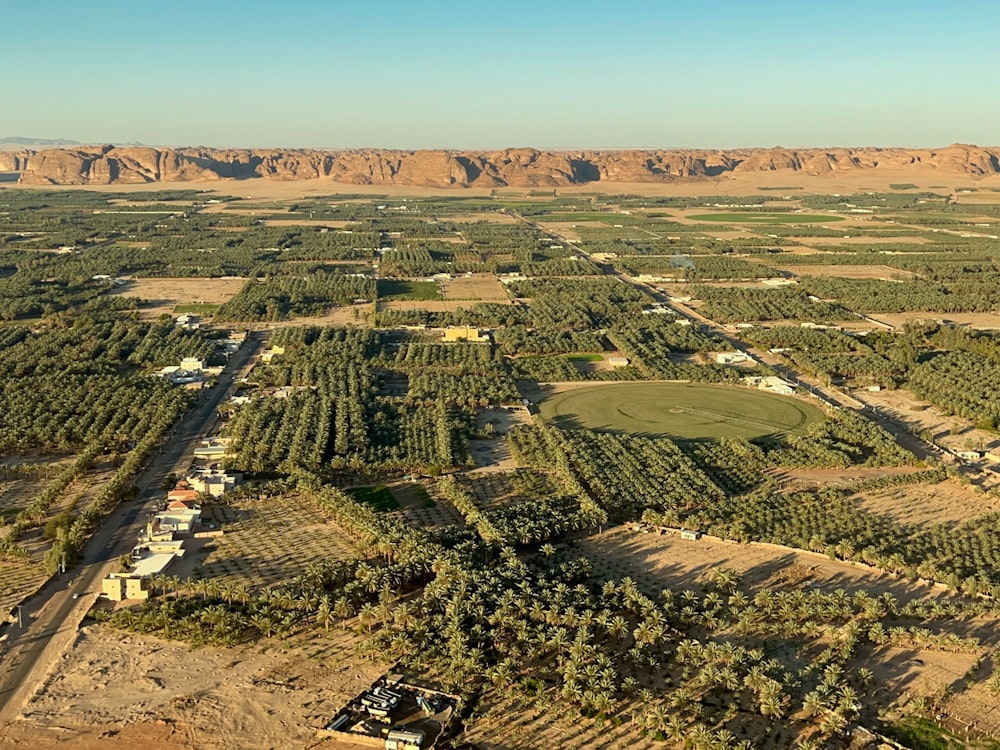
491,217
930,503
165,294
862,240
113,686
480,287
658,562
306,223
431,305
565,229
975,320
846,272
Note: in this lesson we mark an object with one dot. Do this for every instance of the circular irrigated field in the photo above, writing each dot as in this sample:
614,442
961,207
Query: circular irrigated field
679,410
753,217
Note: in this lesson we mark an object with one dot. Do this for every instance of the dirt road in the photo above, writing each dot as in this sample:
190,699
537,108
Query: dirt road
50,619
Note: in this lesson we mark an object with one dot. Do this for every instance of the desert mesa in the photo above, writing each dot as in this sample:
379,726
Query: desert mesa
515,167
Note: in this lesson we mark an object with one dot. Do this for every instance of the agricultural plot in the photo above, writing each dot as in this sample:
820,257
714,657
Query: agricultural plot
764,218
842,271
656,562
22,568
498,489
402,289
680,410
925,504
174,296
426,508
270,541
479,288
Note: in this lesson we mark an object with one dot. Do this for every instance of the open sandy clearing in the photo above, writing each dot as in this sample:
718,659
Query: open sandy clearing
269,541
112,687
844,272
165,294
975,320
862,240
306,223
479,287
930,503
656,562
432,305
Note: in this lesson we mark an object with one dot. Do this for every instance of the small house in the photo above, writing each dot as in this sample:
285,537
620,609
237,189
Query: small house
404,739
617,362
731,358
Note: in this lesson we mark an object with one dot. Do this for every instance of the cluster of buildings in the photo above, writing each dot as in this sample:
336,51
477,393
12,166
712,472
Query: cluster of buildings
169,532
194,371
771,384
394,715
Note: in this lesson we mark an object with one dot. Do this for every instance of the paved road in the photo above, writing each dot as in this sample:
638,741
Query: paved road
52,617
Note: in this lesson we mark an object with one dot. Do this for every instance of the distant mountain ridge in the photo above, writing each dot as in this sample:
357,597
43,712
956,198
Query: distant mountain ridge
16,142
514,167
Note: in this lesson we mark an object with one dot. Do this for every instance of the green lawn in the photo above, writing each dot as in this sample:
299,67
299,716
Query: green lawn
754,217
408,290
923,734
679,410
585,357
197,308
378,497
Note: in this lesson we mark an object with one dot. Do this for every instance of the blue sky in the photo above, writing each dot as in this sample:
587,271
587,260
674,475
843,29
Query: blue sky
429,74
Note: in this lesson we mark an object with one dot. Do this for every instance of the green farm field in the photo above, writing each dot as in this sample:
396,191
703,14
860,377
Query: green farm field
679,410
765,218
401,289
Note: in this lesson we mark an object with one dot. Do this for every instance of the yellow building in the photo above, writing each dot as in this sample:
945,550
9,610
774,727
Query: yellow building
464,333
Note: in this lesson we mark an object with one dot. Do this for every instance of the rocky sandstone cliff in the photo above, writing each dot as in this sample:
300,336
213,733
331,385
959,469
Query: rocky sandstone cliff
520,167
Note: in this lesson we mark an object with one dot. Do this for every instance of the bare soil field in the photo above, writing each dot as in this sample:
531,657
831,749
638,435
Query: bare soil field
306,223
120,690
480,287
862,240
491,217
795,480
510,725
430,305
271,540
656,562
982,198
166,294
984,320
847,272
926,504
348,315
954,432
499,488
564,229
440,512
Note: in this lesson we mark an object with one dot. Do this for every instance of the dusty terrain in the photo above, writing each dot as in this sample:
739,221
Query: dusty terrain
927,504
974,320
656,562
114,690
166,294
479,287
845,272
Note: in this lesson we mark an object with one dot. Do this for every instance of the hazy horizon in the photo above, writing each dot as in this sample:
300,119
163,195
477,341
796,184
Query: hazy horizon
444,75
